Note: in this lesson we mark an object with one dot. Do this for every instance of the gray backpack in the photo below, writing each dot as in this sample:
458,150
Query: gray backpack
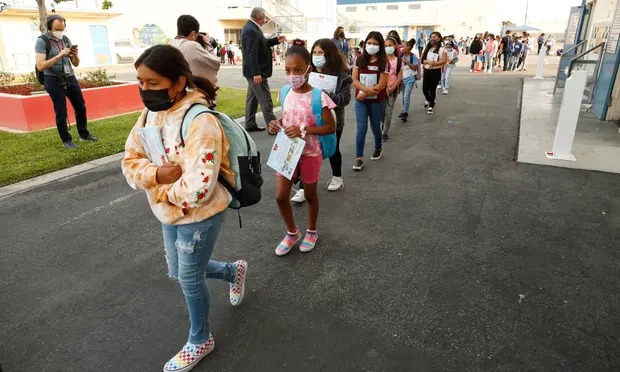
243,155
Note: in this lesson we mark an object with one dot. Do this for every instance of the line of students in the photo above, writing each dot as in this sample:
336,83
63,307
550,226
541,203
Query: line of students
184,193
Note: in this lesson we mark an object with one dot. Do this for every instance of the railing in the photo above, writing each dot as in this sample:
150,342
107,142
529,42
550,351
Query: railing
590,65
285,17
342,20
560,78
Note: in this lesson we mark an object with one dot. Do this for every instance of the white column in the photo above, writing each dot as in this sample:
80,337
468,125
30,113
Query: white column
569,114
540,67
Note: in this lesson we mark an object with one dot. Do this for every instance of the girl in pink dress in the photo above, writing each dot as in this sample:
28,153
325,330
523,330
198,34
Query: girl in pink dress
298,121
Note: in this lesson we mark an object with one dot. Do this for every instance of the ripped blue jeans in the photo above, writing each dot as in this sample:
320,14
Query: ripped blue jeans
188,254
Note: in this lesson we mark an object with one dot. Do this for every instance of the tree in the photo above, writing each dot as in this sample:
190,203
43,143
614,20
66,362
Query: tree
43,10
42,14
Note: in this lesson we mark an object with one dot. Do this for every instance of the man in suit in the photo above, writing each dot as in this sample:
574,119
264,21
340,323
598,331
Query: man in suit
257,68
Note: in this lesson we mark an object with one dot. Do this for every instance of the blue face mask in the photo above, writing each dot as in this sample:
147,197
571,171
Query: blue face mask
319,61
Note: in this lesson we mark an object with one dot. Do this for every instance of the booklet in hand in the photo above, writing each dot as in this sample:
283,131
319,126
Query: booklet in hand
153,145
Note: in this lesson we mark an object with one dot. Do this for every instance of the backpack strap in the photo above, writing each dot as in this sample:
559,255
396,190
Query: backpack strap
317,106
191,114
283,92
48,45
194,111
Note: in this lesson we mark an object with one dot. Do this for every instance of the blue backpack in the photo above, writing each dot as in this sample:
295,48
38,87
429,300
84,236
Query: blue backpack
328,141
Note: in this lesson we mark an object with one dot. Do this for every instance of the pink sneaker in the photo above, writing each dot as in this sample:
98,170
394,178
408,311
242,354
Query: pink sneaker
237,288
309,241
189,356
287,243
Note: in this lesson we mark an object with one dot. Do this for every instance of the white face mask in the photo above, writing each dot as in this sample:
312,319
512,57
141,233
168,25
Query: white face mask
389,50
58,34
372,49
319,61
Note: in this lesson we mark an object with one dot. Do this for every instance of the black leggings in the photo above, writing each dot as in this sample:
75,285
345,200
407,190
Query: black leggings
429,85
335,160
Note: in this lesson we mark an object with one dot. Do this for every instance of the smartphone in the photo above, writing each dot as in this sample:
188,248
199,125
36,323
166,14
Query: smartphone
75,46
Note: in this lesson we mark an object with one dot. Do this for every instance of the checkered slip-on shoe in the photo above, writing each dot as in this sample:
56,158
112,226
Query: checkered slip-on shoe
189,356
237,288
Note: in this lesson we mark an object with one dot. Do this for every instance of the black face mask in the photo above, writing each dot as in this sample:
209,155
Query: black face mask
156,100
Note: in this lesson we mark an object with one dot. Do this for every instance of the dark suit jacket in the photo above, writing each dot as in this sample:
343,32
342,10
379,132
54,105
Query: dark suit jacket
256,51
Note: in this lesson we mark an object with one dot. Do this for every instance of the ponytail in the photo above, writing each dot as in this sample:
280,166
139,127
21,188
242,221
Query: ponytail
203,85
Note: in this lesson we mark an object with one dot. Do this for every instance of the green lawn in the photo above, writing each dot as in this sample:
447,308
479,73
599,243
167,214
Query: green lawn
27,155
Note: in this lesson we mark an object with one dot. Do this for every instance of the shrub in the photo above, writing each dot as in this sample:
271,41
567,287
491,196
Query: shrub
31,78
6,78
99,78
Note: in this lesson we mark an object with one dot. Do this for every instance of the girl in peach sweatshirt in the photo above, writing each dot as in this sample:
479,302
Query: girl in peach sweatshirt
184,193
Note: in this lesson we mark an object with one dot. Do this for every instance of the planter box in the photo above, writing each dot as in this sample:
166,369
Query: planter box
36,112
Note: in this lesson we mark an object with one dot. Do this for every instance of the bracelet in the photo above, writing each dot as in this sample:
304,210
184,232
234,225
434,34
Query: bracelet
303,131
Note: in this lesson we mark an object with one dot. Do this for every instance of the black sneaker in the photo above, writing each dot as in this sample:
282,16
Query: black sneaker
377,154
402,114
89,137
404,117
430,111
359,164
69,145
385,137
426,104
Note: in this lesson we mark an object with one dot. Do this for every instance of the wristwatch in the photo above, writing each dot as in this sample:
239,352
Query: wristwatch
303,131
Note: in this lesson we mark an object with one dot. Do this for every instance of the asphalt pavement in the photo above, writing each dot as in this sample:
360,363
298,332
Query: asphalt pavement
445,255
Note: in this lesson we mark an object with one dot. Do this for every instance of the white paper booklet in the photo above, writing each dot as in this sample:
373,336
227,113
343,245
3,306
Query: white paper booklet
285,154
323,82
369,80
153,145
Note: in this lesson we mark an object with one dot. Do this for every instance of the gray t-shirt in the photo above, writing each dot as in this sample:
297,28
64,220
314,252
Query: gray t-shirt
56,46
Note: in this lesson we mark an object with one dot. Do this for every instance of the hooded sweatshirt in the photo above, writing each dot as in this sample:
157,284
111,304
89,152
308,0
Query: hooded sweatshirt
341,97
202,62
197,195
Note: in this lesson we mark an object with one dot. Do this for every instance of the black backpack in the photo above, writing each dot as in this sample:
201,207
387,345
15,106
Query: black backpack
48,48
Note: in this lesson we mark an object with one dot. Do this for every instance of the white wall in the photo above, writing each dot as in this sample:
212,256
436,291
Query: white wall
163,13
19,36
460,17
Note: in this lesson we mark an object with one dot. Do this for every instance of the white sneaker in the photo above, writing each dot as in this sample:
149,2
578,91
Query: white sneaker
471,70
299,197
445,92
336,184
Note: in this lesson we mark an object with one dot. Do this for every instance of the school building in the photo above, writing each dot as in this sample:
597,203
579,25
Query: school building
87,26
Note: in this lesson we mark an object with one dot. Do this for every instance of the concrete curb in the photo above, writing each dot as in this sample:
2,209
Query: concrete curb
29,184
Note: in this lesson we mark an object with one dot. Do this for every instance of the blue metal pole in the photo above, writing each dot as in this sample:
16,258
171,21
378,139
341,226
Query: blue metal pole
582,20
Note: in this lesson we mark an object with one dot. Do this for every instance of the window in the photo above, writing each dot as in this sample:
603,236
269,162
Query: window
392,7
231,34
415,6
351,9
371,8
